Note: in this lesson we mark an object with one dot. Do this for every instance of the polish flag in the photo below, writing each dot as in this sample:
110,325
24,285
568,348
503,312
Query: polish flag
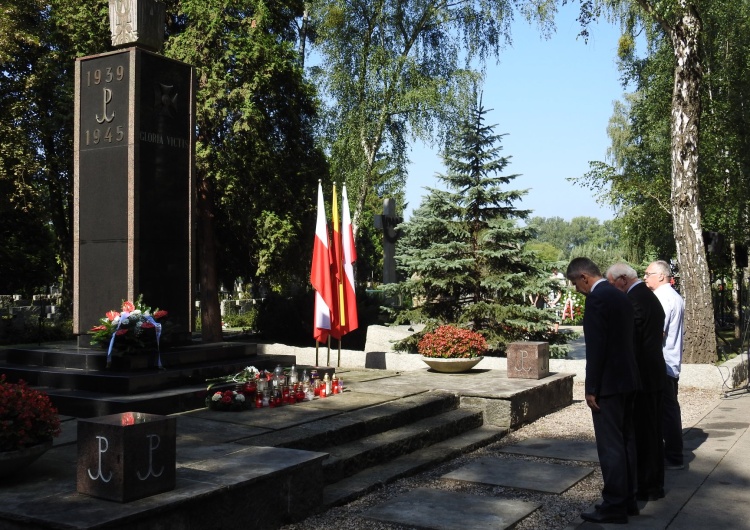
320,275
349,256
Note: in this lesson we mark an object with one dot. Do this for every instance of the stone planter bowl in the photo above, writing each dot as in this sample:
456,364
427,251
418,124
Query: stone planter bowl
451,366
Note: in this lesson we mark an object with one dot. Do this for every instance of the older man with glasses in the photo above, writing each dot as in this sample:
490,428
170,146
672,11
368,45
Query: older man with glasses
657,278
647,417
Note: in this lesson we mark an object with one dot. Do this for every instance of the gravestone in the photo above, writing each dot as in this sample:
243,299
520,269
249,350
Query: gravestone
133,174
127,456
528,360
387,223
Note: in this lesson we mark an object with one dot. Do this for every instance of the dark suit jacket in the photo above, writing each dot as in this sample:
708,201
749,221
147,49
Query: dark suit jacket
649,330
608,324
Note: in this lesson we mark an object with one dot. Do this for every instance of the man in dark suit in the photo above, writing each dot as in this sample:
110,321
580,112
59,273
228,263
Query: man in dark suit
611,383
649,325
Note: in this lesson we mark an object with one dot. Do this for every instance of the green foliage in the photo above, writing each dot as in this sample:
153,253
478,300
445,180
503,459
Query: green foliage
546,252
248,320
577,237
34,331
27,256
39,42
255,150
282,319
463,253
392,71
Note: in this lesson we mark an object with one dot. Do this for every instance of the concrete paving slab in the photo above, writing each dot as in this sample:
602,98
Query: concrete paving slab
267,418
722,500
397,387
247,463
521,474
578,450
430,509
193,430
348,401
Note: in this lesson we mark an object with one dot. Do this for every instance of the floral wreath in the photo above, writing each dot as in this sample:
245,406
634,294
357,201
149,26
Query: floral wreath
133,317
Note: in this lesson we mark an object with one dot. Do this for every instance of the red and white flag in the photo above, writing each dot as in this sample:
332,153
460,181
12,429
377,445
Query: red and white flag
349,256
320,275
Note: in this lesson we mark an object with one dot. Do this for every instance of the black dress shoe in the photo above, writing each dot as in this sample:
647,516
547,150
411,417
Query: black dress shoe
632,509
605,517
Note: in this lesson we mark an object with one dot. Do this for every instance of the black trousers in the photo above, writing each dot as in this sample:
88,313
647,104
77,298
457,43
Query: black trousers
647,423
615,445
672,423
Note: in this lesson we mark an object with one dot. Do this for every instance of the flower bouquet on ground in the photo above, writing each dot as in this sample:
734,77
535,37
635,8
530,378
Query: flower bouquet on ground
27,417
451,342
230,400
244,383
135,328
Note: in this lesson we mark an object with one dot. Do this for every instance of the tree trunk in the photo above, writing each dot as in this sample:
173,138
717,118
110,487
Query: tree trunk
209,292
736,283
700,333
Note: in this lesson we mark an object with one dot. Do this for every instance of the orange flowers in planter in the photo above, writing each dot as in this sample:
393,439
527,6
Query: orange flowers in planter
451,342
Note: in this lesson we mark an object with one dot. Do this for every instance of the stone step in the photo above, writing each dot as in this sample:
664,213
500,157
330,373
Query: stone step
359,423
68,355
371,478
350,458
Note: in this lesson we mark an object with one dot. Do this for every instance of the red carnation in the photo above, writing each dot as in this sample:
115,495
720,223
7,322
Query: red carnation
120,332
160,314
98,328
147,325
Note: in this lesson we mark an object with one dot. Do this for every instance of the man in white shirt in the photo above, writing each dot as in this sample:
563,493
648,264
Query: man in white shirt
657,278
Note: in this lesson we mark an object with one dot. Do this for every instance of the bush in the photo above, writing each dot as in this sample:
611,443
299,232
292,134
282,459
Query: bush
248,320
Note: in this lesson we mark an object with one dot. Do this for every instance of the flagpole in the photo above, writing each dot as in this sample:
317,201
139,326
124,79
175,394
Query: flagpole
317,344
328,358
338,364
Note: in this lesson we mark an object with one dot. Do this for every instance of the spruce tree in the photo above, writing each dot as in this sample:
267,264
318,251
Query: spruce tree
462,253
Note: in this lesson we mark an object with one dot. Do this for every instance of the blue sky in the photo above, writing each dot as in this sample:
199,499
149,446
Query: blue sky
553,99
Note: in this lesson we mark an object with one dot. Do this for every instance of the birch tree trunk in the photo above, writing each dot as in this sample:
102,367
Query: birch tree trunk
700,333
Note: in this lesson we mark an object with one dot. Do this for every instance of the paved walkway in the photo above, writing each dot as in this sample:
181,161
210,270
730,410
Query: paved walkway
713,491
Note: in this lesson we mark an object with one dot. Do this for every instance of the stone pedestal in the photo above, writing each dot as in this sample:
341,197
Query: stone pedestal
528,360
127,456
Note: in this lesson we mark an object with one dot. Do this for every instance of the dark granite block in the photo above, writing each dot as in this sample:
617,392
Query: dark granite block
528,360
127,456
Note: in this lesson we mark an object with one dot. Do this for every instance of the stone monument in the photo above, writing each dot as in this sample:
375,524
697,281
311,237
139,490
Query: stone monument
387,223
133,174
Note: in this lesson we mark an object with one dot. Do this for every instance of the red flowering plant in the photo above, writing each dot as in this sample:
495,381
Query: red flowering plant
26,416
451,342
135,328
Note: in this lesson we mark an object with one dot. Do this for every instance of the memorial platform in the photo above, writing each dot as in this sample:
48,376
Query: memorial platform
267,467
